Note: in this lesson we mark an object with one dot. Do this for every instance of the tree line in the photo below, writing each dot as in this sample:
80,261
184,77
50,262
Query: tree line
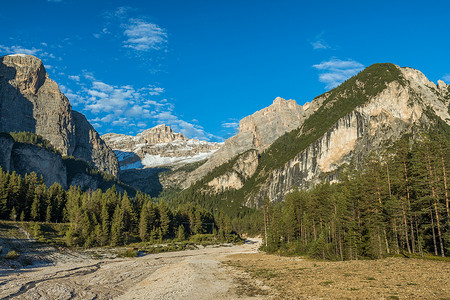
398,204
97,218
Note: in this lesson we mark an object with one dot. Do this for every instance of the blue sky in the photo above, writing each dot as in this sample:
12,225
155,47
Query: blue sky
201,66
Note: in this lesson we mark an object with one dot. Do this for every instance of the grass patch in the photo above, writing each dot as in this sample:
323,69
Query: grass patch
264,273
129,253
12,255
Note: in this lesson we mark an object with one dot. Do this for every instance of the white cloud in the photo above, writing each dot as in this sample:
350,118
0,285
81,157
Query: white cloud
446,78
320,44
74,77
19,50
150,103
233,125
126,107
22,50
335,71
144,36
188,129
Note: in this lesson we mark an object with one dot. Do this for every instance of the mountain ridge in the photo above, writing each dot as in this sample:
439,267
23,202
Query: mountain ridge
358,116
32,102
159,146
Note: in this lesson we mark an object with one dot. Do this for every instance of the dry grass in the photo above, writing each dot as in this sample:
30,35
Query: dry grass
391,278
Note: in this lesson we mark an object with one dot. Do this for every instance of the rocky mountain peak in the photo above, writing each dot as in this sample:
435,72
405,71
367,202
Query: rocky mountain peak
281,116
257,131
158,146
28,71
30,101
442,85
161,134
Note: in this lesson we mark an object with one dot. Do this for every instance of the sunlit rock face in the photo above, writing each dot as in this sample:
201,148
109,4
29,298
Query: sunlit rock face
159,146
399,109
257,131
30,101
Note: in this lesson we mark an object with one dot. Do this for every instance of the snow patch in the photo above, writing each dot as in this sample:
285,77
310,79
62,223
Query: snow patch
158,160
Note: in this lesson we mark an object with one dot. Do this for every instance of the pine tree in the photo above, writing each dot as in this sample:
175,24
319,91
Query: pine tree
143,224
165,219
35,208
117,227
3,195
13,215
181,234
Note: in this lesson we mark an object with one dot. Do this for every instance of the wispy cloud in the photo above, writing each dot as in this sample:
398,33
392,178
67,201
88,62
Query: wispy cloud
74,77
23,50
143,36
336,71
136,33
127,109
230,127
19,50
446,78
319,42
234,125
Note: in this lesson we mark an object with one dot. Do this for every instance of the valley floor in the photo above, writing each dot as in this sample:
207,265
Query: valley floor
191,274
391,278
236,272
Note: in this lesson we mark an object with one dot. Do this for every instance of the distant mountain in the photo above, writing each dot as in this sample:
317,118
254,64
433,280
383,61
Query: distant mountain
159,146
31,102
369,112
158,157
257,131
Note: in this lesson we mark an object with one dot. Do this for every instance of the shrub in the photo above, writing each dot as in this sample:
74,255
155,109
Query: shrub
129,253
12,255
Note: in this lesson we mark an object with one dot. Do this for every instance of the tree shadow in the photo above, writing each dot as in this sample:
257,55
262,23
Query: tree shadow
145,180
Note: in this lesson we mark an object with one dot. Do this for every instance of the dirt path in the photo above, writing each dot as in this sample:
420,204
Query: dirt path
193,274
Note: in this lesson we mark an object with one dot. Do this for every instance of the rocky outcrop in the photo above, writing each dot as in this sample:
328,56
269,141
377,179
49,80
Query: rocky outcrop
161,134
257,131
399,109
91,148
159,146
30,101
27,158
244,167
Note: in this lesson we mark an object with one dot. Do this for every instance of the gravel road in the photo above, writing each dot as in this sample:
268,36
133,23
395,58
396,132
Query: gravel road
191,274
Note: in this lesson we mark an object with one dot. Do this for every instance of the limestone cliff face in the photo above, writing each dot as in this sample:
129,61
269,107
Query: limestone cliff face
257,131
91,148
161,134
397,110
31,101
244,167
27,158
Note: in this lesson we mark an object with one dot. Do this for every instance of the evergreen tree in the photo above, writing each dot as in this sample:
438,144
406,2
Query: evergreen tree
143,224
117,227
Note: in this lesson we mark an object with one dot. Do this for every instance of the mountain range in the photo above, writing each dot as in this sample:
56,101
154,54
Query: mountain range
278,148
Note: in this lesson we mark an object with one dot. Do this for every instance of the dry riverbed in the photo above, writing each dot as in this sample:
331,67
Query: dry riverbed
191,274
227,272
